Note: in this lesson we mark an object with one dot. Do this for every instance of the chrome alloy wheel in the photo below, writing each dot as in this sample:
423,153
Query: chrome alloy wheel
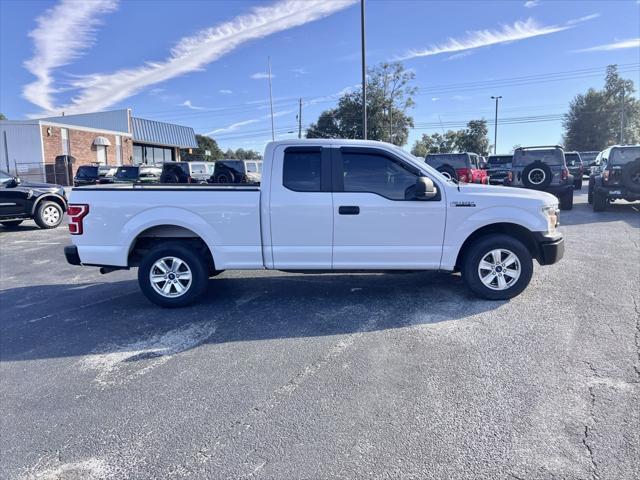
170,277
51,215
499,269
536,176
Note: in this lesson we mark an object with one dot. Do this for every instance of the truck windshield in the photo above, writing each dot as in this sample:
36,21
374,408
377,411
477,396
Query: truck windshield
620,156
456,160
87,172
500,159
127,173
550,157
572,159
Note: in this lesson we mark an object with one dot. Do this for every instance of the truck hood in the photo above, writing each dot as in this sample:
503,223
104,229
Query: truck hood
505,193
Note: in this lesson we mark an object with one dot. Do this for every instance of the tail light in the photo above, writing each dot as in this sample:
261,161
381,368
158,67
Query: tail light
605,175
509,176
76,212
565,173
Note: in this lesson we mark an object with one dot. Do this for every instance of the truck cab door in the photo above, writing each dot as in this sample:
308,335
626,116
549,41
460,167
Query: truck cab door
378,222
301,209
13,199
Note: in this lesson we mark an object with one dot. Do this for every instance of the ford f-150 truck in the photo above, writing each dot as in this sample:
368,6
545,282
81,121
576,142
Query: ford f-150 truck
322,205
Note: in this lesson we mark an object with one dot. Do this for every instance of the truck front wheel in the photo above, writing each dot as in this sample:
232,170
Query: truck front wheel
172,275
497,267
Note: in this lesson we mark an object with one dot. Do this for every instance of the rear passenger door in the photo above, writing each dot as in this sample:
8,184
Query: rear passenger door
378,223
301,209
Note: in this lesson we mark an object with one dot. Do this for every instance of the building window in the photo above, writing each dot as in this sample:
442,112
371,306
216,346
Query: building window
118,150
64,133
138,154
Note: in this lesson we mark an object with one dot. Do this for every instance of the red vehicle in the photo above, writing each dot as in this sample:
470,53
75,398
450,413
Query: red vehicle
462,167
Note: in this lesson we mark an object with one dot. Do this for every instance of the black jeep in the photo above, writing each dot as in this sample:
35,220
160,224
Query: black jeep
619,177
542,168
498,168
576,168
19,201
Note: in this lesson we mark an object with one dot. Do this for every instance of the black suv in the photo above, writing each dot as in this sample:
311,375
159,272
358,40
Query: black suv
19,201
93,174
236,171
498,168
576,168
619,177
542,168
137,174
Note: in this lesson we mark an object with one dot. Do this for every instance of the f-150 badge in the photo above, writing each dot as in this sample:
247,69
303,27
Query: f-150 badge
463,204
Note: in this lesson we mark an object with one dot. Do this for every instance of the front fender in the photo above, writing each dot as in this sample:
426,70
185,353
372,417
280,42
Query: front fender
49,196
461,226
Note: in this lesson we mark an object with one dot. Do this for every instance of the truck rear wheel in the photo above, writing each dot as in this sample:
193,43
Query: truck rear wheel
497,267
566,201
599,201
172,275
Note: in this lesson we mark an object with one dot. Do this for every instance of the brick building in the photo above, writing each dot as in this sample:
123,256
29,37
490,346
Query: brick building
36,149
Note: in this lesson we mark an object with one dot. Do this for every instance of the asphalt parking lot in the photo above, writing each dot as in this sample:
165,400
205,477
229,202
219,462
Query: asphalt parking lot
279,376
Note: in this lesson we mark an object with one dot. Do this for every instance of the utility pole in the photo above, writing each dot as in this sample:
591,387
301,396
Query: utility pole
364,74
495,126
273,130
300,118
622,118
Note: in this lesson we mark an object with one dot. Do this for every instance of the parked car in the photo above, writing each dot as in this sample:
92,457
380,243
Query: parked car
137,174
588,160
542,168
576,168
186,172
323,205
45,203
620,176
596,169
498,168
93,174
236,171
462,167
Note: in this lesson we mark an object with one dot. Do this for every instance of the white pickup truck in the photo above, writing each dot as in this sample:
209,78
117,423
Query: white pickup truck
323,205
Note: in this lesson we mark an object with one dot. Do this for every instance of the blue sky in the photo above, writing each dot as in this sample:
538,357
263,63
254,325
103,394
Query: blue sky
202,63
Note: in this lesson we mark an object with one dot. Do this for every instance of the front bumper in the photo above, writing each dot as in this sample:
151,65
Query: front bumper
71,253
550,247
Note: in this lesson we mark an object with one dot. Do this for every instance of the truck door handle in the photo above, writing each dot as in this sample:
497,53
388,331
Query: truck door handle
349,210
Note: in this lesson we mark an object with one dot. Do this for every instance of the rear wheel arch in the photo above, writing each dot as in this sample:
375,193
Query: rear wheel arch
151,237
514,230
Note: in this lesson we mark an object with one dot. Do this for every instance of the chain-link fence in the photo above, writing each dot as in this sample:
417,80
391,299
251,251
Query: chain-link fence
60,172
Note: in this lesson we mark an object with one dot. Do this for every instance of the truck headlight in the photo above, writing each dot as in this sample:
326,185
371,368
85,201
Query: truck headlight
553,217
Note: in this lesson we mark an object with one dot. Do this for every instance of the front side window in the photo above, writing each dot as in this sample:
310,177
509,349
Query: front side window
301,170
375,173
4,178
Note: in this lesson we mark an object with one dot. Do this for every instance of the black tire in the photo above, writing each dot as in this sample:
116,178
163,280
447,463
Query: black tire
630,176
48,214
566,201
479,250
599,201
11,223
194,262
577,183
448,171
537,175
592,184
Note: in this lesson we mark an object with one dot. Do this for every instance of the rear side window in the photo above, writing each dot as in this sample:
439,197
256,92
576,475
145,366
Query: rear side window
456,160
499,159
87,172
373,173
195,168
620,156
301,170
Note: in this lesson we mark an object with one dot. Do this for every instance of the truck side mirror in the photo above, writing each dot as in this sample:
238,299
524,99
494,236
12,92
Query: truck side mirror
425,189
14,182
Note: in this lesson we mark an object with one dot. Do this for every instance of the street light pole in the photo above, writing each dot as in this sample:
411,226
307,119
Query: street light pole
273,129
495,126
364,74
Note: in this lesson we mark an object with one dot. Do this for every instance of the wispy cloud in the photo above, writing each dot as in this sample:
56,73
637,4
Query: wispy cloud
631,43
586,18
299,71
225,91
520,30
188,104
531,3
457,56
101,90
235,126
261,75
63,34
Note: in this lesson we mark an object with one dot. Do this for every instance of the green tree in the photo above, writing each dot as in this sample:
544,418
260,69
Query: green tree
435,143
229,154
593,119
474,138
2,117
208,144
389,97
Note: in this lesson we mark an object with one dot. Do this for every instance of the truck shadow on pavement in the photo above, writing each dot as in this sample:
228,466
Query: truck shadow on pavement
90,319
